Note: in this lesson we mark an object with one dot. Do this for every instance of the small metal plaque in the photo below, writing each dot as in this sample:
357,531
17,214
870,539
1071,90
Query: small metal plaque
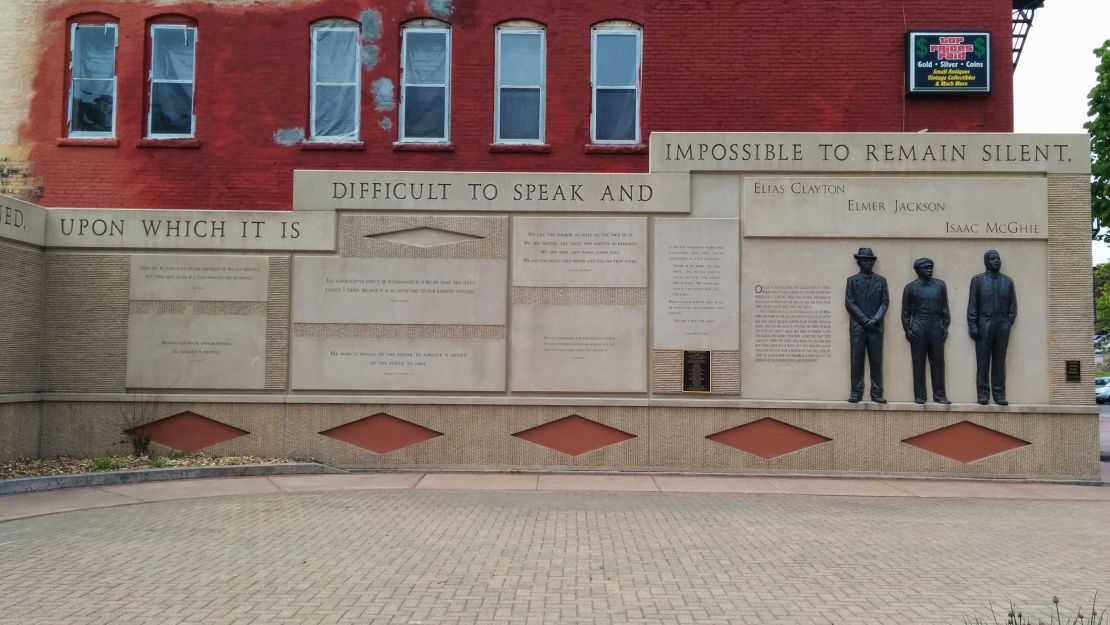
1071,371
695,372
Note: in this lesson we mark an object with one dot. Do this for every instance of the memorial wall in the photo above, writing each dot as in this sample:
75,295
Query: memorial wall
756,303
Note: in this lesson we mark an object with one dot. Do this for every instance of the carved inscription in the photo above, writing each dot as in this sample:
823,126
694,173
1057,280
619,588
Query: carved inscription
845,152
503,192
199,278
581,347
583,252
201,230
379,290
196,351
900,207
394,364
566,348
22,221
695,288
793,323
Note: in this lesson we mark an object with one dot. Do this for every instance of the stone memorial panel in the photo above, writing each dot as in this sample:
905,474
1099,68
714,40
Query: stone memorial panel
254,231
891,207
795,337
196,351
405,291
572,348
580,251
199,278
22,221
870,152
695,287
397,364
497,192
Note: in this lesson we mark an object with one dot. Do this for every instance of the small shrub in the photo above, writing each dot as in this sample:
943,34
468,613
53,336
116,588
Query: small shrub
104,464
139,438
1016,616
175,455
157,462
135,418
233,461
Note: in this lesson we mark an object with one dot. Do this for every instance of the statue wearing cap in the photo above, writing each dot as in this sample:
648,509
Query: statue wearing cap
867,300
925,318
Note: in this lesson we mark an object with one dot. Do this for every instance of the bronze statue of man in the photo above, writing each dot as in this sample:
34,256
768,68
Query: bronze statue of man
867,299
925,319
991,310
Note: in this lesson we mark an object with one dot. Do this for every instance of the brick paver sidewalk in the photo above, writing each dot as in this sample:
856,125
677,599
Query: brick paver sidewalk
430,556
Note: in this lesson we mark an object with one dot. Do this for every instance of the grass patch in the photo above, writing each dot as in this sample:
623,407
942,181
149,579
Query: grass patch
104,464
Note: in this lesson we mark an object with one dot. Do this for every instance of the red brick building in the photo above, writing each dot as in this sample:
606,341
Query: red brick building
246,74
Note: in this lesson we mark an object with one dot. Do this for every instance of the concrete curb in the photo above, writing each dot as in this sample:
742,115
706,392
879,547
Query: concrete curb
112,478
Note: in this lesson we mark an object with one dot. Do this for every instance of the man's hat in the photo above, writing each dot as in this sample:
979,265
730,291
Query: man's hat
865,252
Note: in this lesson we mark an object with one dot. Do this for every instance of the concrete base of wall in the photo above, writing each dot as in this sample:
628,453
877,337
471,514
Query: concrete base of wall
20,424
1041,442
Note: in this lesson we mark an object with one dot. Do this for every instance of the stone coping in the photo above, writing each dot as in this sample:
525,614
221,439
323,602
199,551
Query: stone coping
30,503
111,478
542,400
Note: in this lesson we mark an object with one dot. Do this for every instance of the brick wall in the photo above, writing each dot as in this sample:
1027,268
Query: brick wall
21,277
710,66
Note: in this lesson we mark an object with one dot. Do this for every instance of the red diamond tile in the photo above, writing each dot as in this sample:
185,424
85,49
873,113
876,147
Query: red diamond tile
965,442
381,433
188,432
768,438
574,435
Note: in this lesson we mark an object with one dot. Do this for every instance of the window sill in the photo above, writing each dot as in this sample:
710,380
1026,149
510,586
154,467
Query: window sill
88,143
529,148
423,147
347,146
615,148
169,143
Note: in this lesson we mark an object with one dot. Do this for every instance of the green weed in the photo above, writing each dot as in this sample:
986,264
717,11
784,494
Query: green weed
104,464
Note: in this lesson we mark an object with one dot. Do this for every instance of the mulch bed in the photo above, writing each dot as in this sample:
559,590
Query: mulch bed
25,467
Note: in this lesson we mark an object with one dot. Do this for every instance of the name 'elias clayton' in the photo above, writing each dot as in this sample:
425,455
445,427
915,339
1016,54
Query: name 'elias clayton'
476,191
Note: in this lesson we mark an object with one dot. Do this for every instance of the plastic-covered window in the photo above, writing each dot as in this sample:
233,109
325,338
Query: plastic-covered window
425,81
92,92
172,81
520,86
335,83
616,86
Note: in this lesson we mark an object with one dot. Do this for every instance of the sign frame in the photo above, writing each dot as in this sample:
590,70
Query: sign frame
914,88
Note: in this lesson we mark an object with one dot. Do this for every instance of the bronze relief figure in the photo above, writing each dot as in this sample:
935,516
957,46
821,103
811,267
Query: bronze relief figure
925,319
991,310
867,299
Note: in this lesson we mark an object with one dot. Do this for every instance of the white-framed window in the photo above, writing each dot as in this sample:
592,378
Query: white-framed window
520,101
92,85
336,78
425,84
615,76
171,112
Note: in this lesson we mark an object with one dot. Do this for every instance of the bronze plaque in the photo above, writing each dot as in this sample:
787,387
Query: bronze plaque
695,372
